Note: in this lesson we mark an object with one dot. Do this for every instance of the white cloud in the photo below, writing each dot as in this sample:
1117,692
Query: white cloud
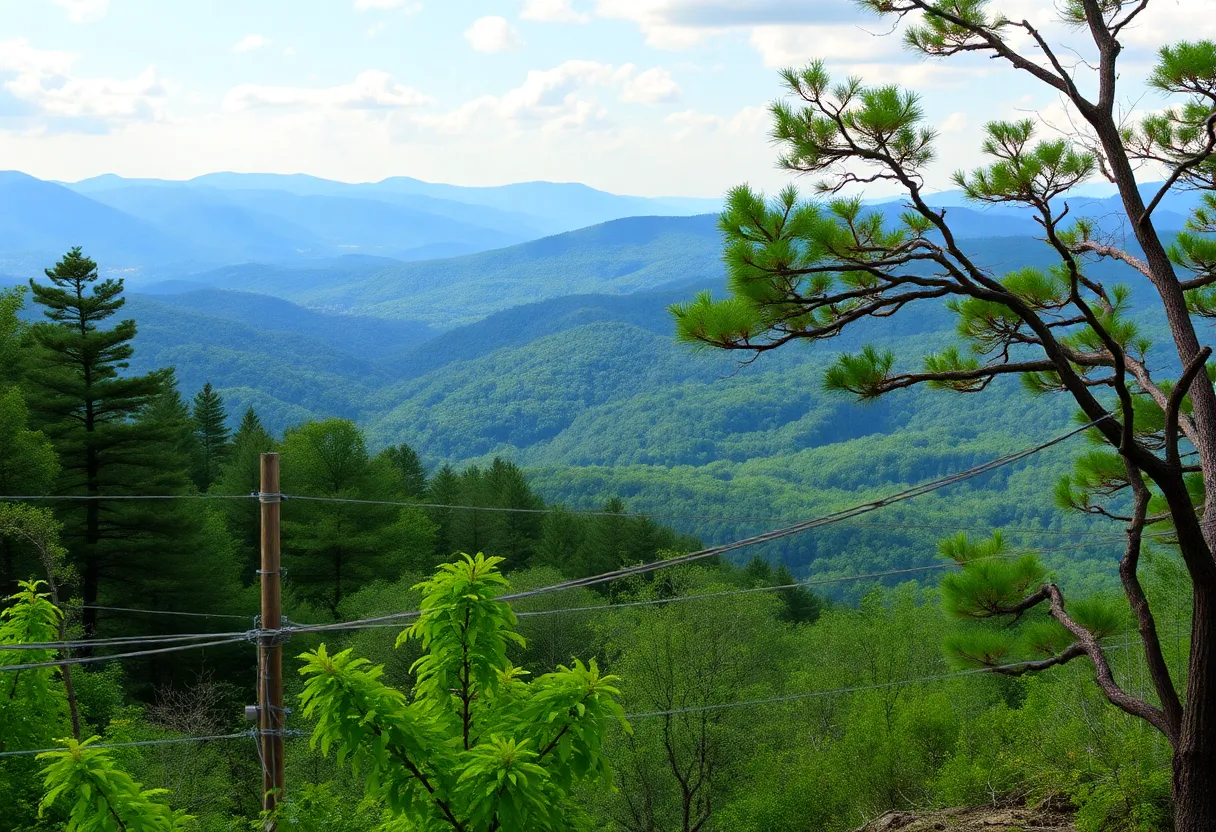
956,122
750,121
654,86
552,11
375,29
371,90
561,98
492,34
84,11
250,43
407,6
781,46
43,82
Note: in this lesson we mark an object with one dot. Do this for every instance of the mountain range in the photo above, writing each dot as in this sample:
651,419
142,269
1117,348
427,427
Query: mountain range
558,352
159,229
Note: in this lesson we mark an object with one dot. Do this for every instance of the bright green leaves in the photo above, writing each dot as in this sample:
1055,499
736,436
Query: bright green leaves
991,583
503,786
478,748
463,630
101,797
1180,136
1022,173
1097,473
33,708
31,618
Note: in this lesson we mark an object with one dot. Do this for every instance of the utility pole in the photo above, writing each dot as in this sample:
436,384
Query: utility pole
270,647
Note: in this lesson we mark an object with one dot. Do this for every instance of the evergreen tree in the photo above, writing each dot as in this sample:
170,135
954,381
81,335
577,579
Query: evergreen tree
211,431
444,490
806,270
798,604
408,465
517,532
562,534
28,464
333,548
81,400
240,474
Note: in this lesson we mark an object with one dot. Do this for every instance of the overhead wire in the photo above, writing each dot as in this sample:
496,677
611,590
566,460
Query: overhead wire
794,697
121,641
141,743
159,612
10,668
766,537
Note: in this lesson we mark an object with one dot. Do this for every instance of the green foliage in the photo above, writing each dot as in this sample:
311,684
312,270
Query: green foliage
212,435
477,748
101,797
333,548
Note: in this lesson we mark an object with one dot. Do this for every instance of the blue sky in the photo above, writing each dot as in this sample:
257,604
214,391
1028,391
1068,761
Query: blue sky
651,97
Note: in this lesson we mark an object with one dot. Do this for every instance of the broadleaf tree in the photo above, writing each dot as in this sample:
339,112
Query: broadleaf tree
807,270
477,748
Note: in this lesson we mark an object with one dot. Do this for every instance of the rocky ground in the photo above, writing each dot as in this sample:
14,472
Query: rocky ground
976,819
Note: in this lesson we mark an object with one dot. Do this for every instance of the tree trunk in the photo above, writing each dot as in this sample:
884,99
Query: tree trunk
1194,783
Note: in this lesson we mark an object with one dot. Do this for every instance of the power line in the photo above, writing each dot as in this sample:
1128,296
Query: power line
766,537
702,518
137,654
797,528
650,515
771,700
161,612
140,743
121,641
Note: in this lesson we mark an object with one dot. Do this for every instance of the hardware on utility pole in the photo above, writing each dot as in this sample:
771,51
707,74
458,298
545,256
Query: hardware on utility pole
270,647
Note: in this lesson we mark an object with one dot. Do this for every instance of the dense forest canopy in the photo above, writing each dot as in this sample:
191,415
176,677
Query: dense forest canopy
502,604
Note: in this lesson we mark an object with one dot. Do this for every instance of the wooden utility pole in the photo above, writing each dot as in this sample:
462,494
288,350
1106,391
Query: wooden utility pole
270,647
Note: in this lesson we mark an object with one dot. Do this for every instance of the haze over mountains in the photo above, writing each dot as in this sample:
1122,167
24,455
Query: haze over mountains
157,227
530,321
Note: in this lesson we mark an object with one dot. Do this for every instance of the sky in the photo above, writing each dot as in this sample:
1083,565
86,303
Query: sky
645,97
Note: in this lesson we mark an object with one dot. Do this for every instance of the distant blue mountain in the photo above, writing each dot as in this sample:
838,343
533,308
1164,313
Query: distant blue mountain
41,220
1094,202
529,209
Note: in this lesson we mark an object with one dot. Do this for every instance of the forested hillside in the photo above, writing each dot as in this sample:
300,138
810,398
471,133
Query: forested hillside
399,506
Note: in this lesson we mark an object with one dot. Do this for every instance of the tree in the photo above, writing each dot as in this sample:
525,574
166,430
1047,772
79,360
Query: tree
477,749
802,271
104,797
90,411
240,474
408,464
331,547
211,431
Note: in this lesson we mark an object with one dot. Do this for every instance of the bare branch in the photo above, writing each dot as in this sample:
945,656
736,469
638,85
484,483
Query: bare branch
1104,677
1174,404
1171,707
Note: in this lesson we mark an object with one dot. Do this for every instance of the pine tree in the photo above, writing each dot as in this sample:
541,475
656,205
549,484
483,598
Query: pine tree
240,475
80,399
409,467
211,431
444,490
28,464
798,604
334,548
518,532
